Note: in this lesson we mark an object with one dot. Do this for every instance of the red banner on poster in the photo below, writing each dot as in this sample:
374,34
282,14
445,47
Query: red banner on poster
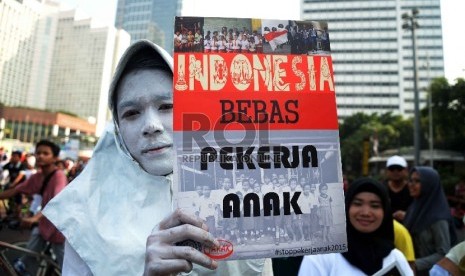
238,91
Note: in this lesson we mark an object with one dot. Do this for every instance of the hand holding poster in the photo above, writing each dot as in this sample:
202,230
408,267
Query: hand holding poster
256,134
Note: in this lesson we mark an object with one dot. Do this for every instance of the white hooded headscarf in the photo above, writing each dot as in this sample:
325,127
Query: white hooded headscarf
109,210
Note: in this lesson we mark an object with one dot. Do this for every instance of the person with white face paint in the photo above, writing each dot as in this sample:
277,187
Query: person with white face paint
118,215
144,111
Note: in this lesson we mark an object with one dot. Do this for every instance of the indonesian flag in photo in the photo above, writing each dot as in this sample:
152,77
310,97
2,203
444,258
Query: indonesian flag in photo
276,38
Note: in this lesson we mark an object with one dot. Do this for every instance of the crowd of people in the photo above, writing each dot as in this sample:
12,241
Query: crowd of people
418,201
104,223
29,182
308,39
226,40
299,39
19,166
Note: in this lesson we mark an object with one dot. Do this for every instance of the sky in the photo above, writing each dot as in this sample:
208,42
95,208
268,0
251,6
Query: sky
103,13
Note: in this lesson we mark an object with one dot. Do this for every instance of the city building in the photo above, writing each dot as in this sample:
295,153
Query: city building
83,63
148,19
31,125
50,60
27,35
372,54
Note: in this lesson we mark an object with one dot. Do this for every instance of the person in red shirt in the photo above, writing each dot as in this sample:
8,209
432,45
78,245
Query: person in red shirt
48,182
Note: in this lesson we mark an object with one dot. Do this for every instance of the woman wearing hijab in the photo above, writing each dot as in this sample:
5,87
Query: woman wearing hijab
370,236
117,215
427,218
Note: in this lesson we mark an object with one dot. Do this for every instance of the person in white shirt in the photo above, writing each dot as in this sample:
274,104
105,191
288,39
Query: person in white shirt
177,41
207,209
214,44
314,210
118,215
222,45
370,235
235,44
306,212
207,44
244,44
36,203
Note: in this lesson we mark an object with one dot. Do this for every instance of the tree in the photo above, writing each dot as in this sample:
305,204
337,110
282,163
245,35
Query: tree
390,131
396,132
448,106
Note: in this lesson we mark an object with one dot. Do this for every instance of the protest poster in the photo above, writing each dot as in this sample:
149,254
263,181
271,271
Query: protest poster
256,136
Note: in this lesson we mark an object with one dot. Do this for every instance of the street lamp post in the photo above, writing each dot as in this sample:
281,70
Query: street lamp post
430,117
428,89
410,23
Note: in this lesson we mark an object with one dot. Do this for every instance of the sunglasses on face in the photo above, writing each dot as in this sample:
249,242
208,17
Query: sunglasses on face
395,168
414,181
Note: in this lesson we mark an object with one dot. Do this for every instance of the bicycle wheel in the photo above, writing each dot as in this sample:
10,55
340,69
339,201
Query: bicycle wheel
13,255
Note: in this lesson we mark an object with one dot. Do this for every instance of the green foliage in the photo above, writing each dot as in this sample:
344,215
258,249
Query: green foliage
396,132
448,106
391,131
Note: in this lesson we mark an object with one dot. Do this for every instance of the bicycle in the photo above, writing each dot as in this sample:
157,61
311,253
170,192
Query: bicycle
46,266
10,252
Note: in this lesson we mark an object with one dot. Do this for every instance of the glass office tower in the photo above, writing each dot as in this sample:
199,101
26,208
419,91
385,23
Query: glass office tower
372,54
148,19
